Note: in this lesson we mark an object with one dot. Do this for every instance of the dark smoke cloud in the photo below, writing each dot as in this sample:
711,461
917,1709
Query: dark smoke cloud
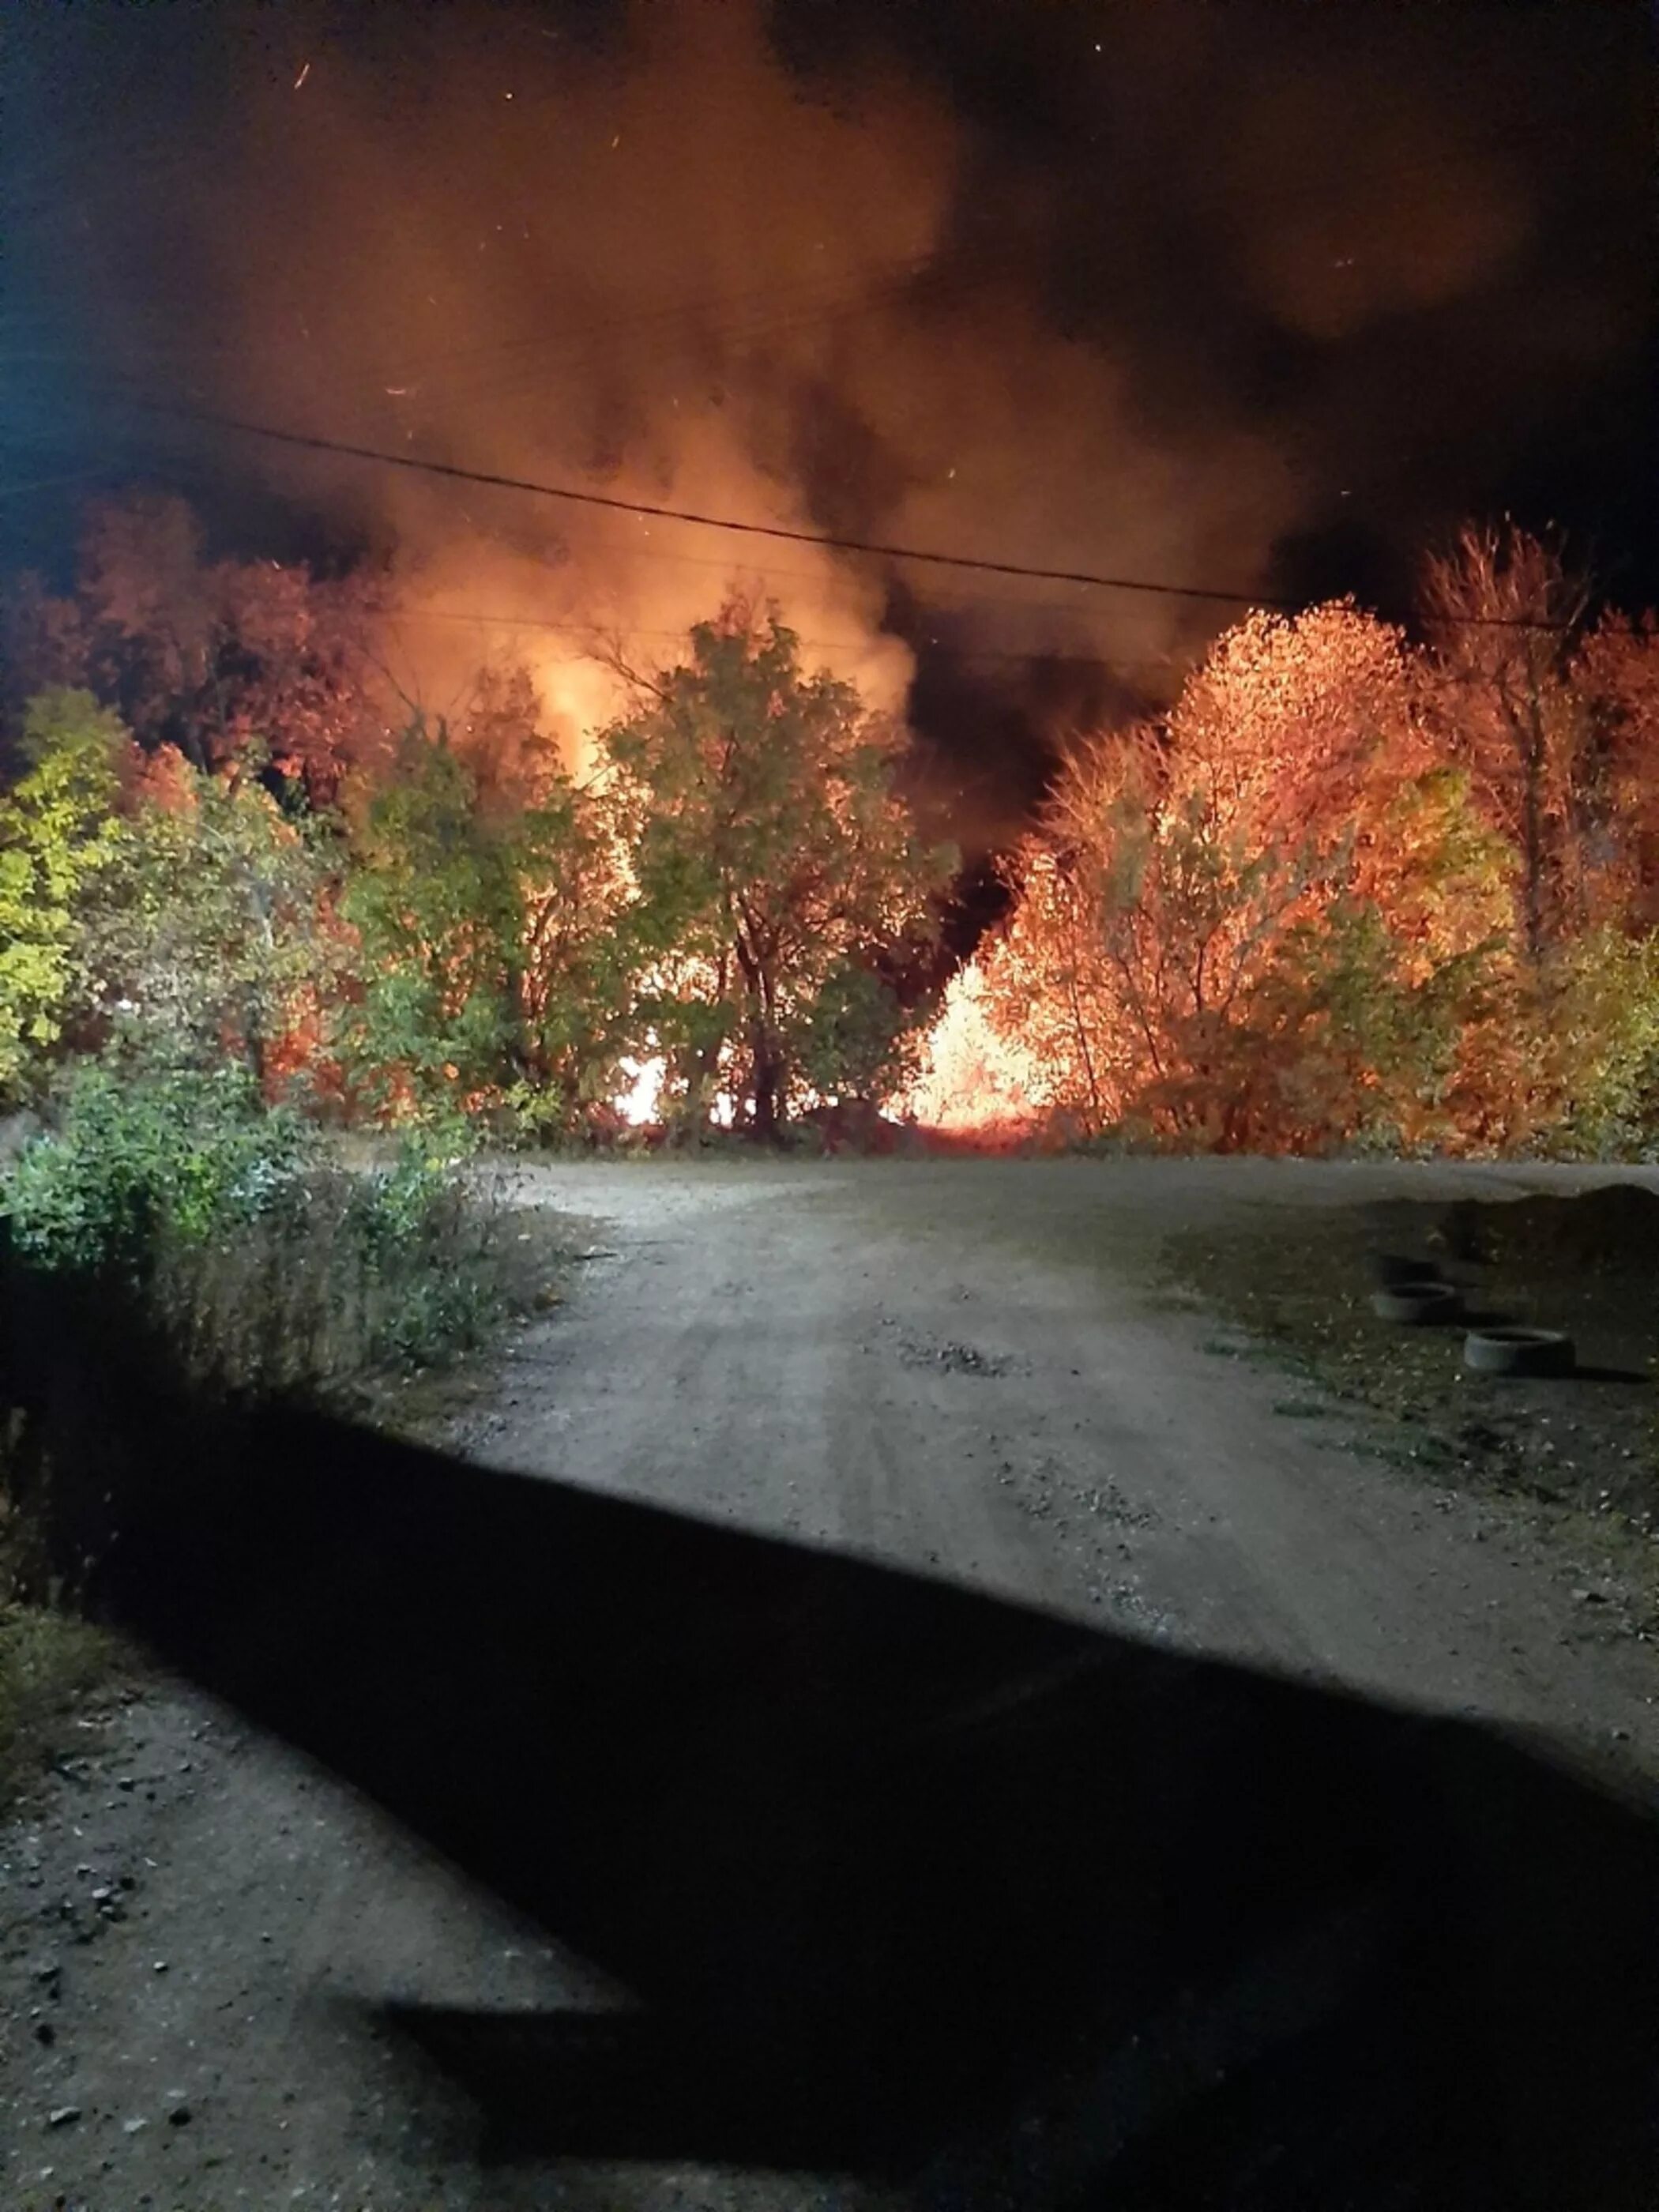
1250,297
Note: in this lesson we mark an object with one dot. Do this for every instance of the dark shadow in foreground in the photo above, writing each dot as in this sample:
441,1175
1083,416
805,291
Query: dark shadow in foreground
911,1883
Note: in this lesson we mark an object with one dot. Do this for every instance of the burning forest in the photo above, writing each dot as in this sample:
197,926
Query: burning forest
680,566
643,541
1354,885
512,397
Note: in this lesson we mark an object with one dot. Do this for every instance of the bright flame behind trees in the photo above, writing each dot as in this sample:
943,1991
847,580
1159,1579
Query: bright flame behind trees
737,891
975,1078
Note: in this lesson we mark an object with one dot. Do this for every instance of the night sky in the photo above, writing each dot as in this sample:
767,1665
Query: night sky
1262,300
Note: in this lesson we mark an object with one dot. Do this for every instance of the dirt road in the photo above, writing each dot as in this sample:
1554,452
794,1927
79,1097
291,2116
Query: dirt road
964,1367
962,1370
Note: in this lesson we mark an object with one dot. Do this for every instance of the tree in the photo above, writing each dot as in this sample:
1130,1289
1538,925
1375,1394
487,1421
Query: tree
211,933
498,733
858,1039
1257,924
1503,612
1616,669
1558,722
59,830
489,961
219,659
577,975
771,858
433,898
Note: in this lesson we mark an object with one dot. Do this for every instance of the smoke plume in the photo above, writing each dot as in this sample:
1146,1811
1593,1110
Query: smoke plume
1235,297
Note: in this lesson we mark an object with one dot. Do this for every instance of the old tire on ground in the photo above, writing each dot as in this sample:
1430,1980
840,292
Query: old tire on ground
1518,1351
1417,1302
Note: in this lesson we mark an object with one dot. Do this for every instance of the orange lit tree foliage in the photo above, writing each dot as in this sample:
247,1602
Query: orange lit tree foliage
1502,612
1617,671
1555,721
1261,923
215,658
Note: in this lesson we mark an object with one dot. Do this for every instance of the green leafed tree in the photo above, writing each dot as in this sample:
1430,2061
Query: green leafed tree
774,861
211,933
59,829
488,962
575,971
434,899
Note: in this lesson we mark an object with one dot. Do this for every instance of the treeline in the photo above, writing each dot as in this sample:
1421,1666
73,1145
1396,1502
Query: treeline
217,845
1360,885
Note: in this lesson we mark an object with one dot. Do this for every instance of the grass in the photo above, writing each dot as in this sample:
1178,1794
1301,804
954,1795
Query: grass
49,1664
1579,1457
1429,1455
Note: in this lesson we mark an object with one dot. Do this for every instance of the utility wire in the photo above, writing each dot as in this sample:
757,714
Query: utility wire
631,547
343,449
492,480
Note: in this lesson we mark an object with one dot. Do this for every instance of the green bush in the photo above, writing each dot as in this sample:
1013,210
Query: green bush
261,1263
425,1251
188,1157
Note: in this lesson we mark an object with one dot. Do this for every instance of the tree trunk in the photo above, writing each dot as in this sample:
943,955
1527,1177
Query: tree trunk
767,1083
766,1061
1533,844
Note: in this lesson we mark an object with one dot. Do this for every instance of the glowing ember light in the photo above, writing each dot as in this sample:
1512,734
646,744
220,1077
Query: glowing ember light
971,1079
640,1104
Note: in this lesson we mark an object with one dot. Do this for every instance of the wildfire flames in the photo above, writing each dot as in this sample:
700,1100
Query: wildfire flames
972,1081
641,1103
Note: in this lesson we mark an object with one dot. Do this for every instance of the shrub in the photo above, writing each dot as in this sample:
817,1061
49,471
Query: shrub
183,1157
228,1232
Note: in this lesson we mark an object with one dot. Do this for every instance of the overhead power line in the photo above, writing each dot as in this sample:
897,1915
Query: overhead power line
630,544
979,564
343,449
609,502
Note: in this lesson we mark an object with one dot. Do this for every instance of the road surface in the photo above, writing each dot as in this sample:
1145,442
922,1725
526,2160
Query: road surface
964,1370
